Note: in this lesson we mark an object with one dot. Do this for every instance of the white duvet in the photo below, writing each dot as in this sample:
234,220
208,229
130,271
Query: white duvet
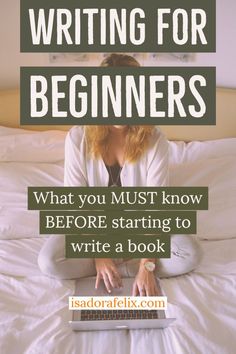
34,311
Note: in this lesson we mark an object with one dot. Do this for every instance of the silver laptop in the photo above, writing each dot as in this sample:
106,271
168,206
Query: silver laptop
99,320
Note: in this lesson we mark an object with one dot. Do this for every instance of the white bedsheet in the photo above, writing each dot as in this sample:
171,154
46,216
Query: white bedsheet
34,314
34,311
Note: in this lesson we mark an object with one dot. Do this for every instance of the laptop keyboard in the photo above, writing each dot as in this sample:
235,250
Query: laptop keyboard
96,315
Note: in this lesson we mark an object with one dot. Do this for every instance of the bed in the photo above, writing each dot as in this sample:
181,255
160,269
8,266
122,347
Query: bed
34,311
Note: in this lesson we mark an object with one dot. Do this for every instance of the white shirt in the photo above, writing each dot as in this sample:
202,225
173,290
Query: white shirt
81,169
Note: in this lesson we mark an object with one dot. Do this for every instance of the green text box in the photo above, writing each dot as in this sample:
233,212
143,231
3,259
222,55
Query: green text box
124,223
155,246
103,198
198,98
150,22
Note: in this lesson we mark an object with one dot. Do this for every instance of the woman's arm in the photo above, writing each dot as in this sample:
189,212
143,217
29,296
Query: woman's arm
106,270
158,162
145,282
157,175
75,173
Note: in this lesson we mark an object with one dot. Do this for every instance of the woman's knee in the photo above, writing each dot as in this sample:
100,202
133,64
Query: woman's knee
187,247
53,263
49,264
46,265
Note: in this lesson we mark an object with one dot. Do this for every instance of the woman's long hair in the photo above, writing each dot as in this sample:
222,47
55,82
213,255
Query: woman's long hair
137,137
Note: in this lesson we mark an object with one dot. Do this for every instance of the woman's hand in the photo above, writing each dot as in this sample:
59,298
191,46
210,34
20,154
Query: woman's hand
145,283
107,271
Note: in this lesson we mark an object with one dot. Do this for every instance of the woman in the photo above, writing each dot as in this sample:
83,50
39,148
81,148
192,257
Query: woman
118,156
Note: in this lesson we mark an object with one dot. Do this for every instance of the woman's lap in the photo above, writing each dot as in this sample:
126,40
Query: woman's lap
185,256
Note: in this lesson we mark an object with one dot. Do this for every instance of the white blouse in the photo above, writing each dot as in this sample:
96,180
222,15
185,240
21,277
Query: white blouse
81,169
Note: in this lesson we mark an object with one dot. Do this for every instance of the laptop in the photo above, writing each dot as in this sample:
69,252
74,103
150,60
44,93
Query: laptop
101,320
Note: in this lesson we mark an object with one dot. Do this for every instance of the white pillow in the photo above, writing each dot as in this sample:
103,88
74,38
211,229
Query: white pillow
27,158
181,152
22,145
15,220
219,174
212,164
11,131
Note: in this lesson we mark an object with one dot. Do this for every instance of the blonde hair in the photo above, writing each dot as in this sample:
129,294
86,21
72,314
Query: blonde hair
119,60
137,137
137,140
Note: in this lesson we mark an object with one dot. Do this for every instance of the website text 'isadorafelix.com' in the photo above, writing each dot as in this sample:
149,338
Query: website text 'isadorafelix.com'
117,302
